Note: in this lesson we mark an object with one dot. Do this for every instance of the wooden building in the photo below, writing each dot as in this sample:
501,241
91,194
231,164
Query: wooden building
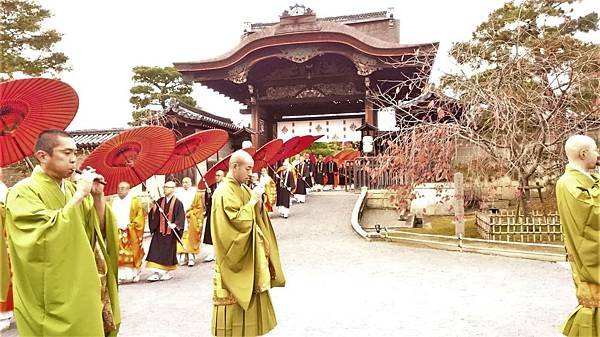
305,68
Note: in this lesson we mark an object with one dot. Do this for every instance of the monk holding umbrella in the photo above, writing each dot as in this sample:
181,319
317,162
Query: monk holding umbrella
67,285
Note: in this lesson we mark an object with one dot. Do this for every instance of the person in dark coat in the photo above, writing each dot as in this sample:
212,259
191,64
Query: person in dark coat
162,255
207,243
330,171
285,183
319,172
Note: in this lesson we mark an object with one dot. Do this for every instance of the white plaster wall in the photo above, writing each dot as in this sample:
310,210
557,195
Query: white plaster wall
333,130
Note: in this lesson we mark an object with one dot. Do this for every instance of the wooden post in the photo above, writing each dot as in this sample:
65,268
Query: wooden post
459,205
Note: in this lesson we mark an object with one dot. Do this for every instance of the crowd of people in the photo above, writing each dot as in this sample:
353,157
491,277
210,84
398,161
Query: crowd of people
56,212
69,246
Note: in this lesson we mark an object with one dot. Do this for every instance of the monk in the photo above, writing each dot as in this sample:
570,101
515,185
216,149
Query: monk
270,189
131,220
193,205
162,254
63,246
285,183
578,199
207,242
247,257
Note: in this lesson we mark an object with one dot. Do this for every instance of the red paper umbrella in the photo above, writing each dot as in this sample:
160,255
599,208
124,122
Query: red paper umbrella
132,156
355,154
284,151
340,156
223,165
28,107
265,153
303,144
194,149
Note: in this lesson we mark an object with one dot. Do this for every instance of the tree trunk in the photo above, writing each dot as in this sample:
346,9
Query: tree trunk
523,194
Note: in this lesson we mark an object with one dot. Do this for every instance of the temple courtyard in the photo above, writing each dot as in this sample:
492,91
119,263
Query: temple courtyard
340,285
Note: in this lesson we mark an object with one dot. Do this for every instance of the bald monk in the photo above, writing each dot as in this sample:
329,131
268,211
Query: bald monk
131,220
207,242
193,205
162,254
247,257
578,199
63,247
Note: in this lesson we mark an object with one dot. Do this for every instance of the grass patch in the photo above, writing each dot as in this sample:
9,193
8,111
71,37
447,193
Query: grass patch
443,225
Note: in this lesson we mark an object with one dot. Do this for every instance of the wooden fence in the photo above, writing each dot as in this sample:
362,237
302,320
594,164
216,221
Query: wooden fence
505,226
360,173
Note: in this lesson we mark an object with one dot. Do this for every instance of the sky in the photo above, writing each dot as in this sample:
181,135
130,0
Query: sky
104,40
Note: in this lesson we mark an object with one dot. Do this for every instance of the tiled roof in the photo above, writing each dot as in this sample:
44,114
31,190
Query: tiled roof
345,19
93,137
190,113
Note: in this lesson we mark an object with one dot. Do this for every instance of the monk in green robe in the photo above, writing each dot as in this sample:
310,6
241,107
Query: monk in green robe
63,246
578,199
247,257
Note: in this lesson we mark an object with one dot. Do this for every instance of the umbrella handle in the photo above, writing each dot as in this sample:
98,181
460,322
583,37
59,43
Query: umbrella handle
200,173
162,212
27,161
205,182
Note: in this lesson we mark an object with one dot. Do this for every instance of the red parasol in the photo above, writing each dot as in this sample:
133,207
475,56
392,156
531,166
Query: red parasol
340,156
194,149
28,107
303,144
265,153
133,156
223,165
355,154
287,147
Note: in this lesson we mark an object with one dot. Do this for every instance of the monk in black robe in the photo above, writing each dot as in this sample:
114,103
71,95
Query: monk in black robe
162,255
285,183
207,243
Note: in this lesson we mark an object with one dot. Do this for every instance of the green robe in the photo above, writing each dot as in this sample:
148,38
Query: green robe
578,199
247,263
57,289
4,271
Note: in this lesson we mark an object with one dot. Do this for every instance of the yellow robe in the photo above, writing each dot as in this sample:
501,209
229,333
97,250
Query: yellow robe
4,269
131,252
578,199
247,264
195,218
271,193
64,267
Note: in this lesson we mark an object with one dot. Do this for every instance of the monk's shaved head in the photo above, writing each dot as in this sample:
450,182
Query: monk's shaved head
582,151
240,157
240,166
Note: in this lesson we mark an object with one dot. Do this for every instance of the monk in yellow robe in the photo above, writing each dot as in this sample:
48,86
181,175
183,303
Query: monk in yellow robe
131,219
193,204
63,247
247,257
270,189
578,199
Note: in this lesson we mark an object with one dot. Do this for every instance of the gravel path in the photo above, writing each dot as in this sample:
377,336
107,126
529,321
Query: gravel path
341,285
